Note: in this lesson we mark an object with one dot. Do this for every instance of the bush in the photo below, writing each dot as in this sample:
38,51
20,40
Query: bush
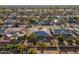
32,50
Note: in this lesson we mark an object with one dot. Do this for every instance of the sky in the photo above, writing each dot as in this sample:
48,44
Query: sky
39,2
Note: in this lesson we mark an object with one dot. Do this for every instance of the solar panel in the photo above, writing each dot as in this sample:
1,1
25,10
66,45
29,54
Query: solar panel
62,31
47,23
42,33
66,31
57,31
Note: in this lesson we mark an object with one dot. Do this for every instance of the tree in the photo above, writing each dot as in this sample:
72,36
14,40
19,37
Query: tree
32,21
5,36
77,42
9,46
32,38
70,41
32,50
75,38
21,48
51,42
61,39
42,46
1,22
2,48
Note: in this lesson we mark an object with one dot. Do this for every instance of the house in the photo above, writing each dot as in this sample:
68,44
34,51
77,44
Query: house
5,40
71,20
47,23
57,23
41,36
15,34
7,24
10,20
11,34
2,32
76,31
65,32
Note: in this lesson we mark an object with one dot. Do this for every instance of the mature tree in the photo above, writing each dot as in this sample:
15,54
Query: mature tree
61,38
32,38
2,48
74,38
9,46
70,41
51,42
42,46
1,22
32,21
21,48
77,42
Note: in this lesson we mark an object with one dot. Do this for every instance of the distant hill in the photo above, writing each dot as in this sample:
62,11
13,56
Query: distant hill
39,6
